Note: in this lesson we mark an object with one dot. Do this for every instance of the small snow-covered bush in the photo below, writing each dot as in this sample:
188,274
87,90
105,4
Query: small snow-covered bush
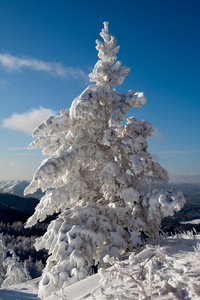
154,273
99,177
131,279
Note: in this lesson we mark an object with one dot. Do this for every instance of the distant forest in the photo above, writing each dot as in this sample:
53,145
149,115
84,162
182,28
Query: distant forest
15,210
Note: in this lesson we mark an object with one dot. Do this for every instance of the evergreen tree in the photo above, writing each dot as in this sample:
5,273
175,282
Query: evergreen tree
16,272
99,177
11,270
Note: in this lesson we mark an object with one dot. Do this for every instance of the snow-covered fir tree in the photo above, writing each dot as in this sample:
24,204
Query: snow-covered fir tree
99,177
16,272
11,269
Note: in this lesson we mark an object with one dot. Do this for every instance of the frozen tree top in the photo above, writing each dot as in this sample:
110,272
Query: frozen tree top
108,71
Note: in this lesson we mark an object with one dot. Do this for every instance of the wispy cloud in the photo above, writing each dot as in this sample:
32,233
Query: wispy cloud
180,152
16,148
157,134
24,154
27,121
14,63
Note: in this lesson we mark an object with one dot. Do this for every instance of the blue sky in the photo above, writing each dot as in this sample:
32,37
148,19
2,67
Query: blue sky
47,49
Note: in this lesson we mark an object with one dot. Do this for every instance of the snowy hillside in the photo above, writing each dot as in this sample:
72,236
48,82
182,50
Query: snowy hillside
169,271
13,187
17,188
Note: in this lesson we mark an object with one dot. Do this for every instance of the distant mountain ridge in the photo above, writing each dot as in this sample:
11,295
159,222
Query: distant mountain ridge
17,187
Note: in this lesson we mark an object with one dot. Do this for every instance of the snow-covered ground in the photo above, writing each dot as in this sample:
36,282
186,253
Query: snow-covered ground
174,272
23,291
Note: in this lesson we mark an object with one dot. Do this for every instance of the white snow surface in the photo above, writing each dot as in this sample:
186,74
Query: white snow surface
23,291
174,270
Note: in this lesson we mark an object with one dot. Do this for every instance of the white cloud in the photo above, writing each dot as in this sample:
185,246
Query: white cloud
27,121
157,134
10,63
18,149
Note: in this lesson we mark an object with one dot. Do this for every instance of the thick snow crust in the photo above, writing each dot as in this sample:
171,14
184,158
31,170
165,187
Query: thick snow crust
169,271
